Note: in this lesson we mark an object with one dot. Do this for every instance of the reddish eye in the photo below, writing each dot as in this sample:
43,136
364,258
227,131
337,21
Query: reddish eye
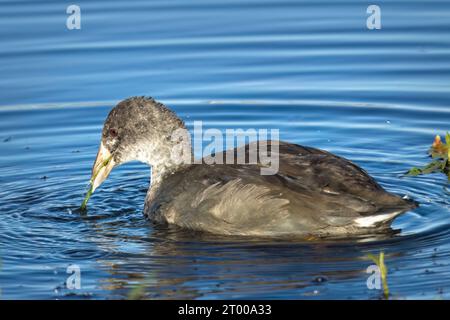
113,132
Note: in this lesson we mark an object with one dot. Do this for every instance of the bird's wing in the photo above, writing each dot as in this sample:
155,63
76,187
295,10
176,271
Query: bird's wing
327,173
312,190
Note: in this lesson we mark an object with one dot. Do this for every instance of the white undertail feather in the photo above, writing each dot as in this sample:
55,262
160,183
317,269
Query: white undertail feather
371,221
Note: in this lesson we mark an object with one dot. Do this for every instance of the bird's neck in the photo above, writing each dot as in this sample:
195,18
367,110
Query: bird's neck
166,157
160,171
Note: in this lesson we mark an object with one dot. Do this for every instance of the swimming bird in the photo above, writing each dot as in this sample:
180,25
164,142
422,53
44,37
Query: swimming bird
313,193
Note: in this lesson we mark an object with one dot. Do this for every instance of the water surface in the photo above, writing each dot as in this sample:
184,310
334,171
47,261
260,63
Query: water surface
308,68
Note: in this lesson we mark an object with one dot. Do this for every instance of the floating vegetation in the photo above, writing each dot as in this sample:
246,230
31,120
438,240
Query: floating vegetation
440,153
379,261
137,293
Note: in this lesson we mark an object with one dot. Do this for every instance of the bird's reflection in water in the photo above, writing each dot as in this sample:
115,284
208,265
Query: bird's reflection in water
171,263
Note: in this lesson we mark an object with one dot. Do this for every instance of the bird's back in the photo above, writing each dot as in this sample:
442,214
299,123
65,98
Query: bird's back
313,193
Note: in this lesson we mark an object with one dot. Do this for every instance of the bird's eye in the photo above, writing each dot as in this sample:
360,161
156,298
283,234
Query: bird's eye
113,133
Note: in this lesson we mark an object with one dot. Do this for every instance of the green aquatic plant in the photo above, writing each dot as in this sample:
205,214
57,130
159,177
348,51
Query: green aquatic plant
379,261
91,182
86,198
440,153
137,292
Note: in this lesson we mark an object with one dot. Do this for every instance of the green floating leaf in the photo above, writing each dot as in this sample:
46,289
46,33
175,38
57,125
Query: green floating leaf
414,171
440,153
435,166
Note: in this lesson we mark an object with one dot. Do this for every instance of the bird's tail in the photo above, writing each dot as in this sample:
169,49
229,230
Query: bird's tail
385,216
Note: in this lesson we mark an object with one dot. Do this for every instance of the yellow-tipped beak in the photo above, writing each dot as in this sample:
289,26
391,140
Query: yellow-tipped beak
103,165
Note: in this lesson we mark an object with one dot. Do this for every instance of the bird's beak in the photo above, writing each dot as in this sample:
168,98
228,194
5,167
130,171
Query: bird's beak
103,165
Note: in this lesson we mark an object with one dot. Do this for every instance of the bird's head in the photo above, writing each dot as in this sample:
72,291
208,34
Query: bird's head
139,129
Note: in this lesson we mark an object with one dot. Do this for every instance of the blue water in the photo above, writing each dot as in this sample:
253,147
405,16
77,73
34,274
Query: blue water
309,68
